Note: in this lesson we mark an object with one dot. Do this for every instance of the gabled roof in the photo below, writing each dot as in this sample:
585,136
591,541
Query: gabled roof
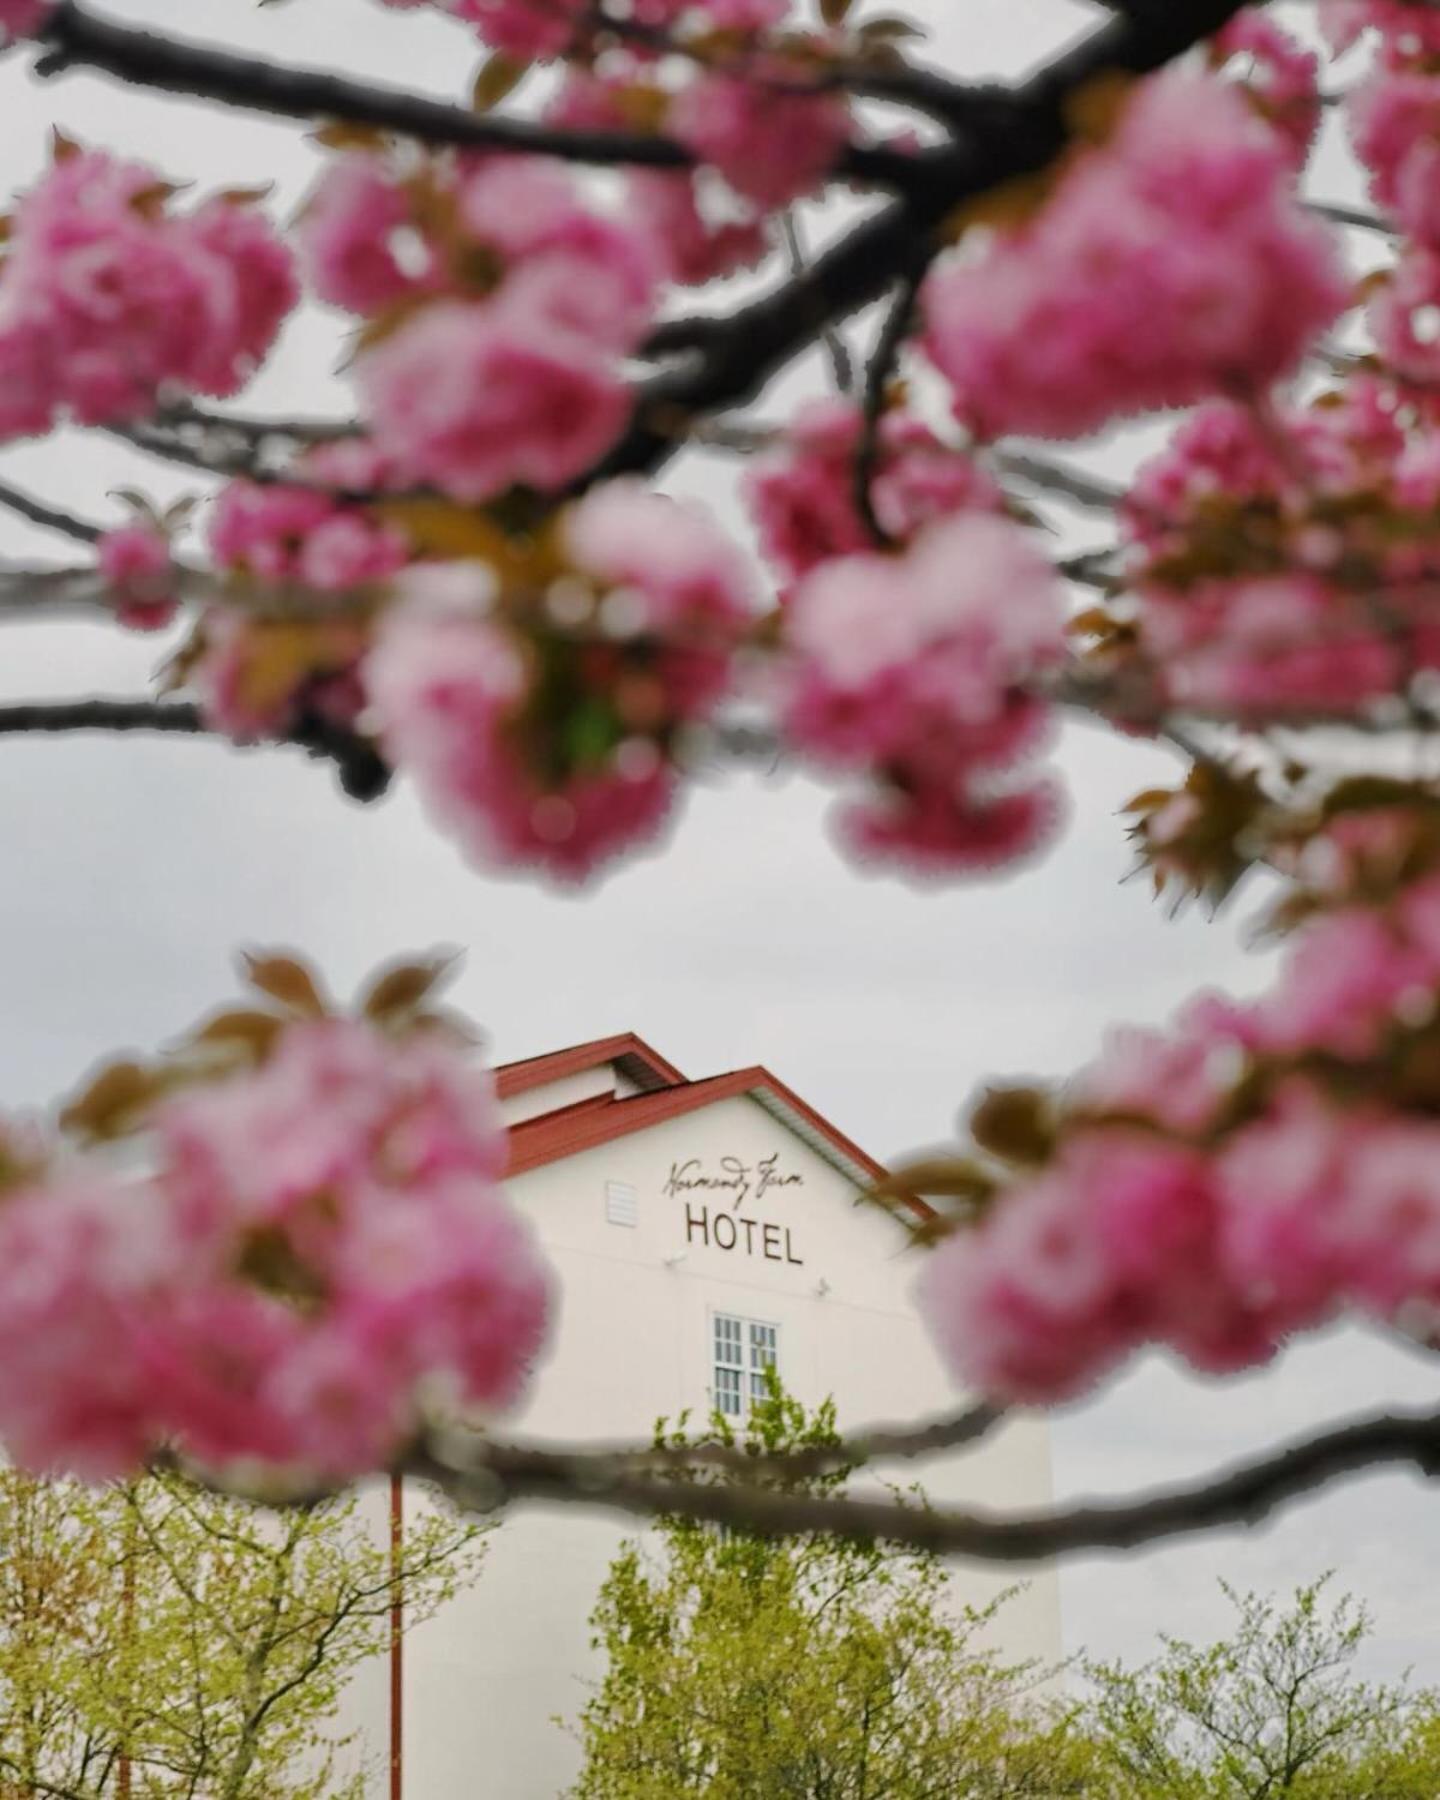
630,1054
604,1117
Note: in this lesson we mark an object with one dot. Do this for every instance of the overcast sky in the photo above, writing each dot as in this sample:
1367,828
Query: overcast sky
137,867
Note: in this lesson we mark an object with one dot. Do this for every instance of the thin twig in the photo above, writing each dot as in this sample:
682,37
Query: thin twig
362,773
877,380
481,1475
77,38
1353,216
1060,478
51,517
733,357
842,364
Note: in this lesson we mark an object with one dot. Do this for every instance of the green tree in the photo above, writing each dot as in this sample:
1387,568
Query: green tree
1277,1708
744,1668
162,1641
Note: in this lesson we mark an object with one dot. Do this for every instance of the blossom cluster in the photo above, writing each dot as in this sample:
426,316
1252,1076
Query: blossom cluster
1037,335
499,302
802,490
107,295
1281,560
540,724
312,1255
917,674
1218,1185
540,29
762,116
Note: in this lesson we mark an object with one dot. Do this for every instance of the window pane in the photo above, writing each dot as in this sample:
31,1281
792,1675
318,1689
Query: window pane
729,1342
727,1391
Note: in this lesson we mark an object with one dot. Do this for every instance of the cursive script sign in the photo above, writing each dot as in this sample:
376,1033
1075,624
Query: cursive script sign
731,1176
738,1181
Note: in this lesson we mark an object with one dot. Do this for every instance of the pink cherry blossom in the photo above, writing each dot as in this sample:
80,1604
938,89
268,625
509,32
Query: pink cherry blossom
530,30
802,491
1405,317
1181,1077
365,1170
912,670
78,1255
256,679
317,1251
770,144
479,398
276,532
1112,1247
1284,78
938,829
29,382
350,236
23,18
1395,127
449,695
248,279
136,563
640,642
1346,980
672,576
693,248
1038,335
1409,28
1269,645
113,295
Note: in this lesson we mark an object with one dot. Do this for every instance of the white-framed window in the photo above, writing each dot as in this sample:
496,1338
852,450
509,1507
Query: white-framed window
744,1350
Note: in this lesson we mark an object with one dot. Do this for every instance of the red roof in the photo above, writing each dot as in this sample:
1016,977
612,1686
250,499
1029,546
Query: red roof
604,1117
634,1057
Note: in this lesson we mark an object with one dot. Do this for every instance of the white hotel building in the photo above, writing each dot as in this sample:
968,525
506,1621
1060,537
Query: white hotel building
699,1231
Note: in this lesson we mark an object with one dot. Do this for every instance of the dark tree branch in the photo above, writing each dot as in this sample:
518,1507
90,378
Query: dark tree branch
75,37
842,364
1060,478
877,380
1017,132
480,1475
361,771
51,517
1353,216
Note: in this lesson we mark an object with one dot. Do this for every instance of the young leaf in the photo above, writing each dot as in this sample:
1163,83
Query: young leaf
498,76
286,979
401,988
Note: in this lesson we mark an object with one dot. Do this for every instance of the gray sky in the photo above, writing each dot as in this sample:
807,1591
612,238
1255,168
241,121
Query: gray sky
139,866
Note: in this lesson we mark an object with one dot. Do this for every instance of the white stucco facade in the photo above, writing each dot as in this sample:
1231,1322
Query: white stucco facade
636,1338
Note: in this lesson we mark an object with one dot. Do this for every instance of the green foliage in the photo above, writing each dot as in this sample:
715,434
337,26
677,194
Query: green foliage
1275,1709
198,1643
745,1668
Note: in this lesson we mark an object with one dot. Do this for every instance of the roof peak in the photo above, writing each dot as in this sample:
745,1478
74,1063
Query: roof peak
638,1061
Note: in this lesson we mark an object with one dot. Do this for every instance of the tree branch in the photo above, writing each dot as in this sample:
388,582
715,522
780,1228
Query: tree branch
877,380
1017,132
362,772
50,517
481,1476
75,37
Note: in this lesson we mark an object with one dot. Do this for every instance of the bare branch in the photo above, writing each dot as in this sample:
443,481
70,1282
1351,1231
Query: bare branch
51,517
481,1476
732,358
842,364
76,38
1060,478
1353,216
362,772
877,380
